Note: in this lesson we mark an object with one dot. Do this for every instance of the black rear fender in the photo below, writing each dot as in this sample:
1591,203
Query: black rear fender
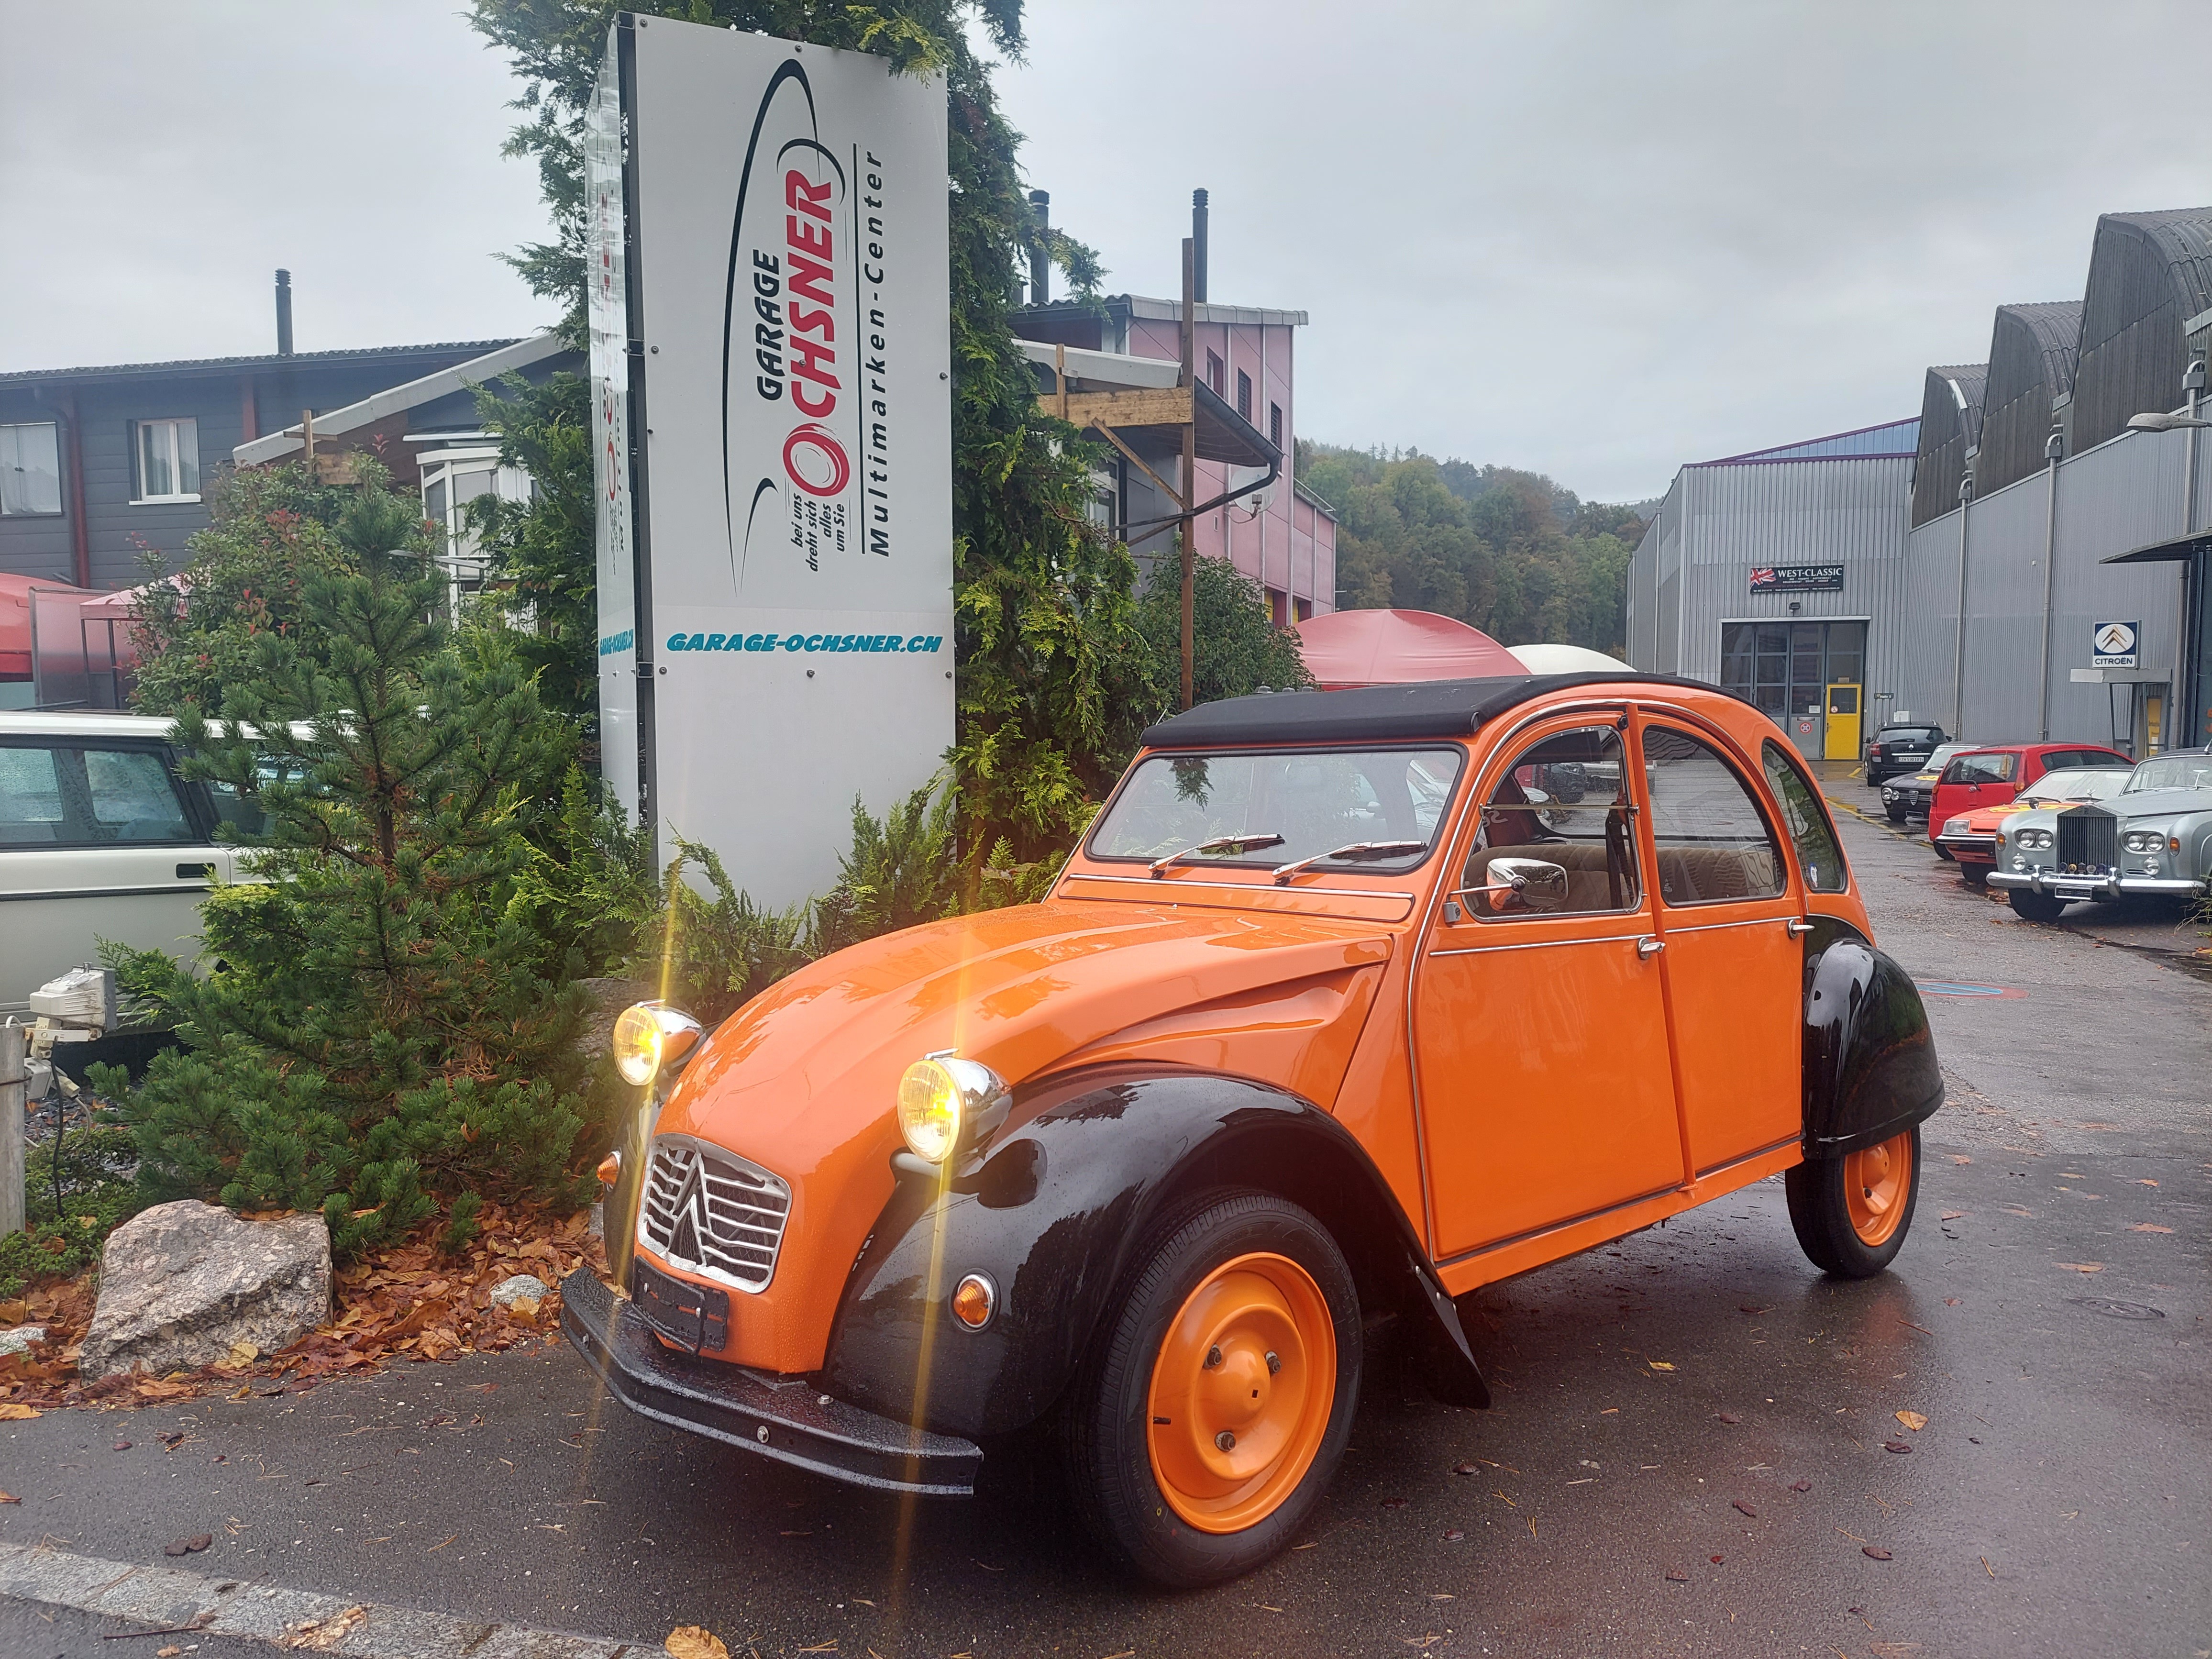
1869,1060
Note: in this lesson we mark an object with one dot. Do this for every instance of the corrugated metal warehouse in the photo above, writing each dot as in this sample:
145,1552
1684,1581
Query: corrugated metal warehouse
1781,575
2022,490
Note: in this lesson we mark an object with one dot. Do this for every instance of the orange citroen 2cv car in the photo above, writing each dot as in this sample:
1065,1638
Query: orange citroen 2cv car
1349,1003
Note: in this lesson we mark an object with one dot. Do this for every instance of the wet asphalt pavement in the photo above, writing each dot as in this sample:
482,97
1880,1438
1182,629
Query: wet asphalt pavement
1636,1489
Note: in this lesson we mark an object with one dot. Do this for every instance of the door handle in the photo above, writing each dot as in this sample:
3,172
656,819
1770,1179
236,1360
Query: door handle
1647,948
1795,928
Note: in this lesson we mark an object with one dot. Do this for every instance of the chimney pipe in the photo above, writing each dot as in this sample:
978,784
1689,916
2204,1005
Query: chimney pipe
1040,260
1198,245
283,313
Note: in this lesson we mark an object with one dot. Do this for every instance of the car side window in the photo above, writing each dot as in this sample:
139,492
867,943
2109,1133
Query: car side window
1807,821
1710,837
31,810
1982,769
130,799
1561,806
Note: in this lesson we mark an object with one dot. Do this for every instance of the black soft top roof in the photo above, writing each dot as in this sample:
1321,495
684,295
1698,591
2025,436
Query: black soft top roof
1429,709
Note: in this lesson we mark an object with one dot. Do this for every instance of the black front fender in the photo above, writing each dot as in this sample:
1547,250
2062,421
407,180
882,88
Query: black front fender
1077,1188
1869,1060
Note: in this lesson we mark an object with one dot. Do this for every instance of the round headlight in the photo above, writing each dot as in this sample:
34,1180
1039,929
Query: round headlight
945,1102
649,1035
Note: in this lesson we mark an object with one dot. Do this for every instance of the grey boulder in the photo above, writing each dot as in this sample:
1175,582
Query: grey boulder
182,1284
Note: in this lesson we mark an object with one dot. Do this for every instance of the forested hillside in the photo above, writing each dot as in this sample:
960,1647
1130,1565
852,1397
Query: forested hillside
1510,552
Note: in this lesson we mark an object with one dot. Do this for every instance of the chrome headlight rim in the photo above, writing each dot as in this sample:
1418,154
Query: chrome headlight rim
650,1039
949,1105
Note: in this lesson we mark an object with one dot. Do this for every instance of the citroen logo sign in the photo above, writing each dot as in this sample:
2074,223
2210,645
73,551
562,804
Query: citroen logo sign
690,1229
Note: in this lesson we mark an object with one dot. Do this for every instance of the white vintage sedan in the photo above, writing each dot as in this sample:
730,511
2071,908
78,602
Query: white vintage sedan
2154,838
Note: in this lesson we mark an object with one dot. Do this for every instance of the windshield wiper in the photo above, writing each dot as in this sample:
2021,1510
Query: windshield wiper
1220,844
1355,851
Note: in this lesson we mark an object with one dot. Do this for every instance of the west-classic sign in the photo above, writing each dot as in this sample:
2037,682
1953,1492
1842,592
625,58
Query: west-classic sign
771,362
1796,578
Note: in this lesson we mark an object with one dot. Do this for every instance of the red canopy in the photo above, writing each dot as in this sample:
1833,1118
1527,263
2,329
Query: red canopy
63,641
1349,648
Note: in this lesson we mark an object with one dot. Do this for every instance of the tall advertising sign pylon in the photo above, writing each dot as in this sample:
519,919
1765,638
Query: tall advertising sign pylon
771,368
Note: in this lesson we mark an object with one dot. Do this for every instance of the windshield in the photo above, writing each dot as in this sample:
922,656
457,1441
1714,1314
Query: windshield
2172,772
1941,757
1318,802
2080,784
1904,735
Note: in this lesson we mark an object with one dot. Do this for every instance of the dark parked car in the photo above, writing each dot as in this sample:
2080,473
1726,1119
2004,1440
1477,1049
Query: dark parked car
1912,797
1898,749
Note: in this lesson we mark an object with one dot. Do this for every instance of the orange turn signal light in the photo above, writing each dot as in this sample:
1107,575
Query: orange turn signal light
611,1168
974,1300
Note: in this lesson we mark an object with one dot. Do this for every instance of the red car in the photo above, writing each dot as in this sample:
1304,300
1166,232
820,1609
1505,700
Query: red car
1983,778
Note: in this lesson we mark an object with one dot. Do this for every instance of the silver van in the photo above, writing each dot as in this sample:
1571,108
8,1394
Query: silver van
99,839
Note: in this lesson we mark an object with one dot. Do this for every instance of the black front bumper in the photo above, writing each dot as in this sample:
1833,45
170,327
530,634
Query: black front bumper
783,1417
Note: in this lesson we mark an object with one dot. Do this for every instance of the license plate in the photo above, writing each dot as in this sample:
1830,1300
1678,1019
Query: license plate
696,1317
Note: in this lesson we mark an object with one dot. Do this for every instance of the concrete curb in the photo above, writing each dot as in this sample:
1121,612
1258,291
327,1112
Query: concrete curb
284,1618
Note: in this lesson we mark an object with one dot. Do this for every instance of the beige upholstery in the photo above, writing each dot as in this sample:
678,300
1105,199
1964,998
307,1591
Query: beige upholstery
1688,875
1588,888
1700,875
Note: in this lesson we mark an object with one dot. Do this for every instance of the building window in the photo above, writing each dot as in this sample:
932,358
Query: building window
169,454
30,470
1275,424
453,479
1214,370
1244,395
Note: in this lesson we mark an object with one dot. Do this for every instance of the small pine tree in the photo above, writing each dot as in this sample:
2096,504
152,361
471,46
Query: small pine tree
382,1023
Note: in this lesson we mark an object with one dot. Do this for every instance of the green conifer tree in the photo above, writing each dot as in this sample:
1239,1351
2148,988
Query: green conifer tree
379,1023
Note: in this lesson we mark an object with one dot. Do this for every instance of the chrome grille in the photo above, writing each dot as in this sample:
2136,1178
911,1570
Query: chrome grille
707,1211
2088,840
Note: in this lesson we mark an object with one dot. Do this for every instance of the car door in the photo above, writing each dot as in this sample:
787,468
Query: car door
1730,917
1539,1024
97,841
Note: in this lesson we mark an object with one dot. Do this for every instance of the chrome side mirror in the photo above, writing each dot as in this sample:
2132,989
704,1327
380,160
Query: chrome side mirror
1539,886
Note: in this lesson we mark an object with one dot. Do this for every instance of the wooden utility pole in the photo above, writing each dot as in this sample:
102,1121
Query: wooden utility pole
1190,479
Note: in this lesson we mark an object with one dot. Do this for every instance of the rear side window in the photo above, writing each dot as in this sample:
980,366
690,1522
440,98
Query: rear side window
1806,822
1711,838
131,798
84,797
1982,769
30,798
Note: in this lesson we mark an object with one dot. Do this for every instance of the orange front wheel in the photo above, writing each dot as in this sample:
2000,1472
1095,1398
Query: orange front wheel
1851,1212
1210,1424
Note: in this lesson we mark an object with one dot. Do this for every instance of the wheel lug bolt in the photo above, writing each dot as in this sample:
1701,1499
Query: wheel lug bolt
1225,1440
1213,1358
1274,1362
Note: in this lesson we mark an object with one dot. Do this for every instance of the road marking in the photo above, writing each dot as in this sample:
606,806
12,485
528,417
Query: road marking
254,1611
1954,987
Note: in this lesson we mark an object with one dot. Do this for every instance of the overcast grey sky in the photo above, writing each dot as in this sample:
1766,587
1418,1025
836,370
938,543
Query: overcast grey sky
1595,240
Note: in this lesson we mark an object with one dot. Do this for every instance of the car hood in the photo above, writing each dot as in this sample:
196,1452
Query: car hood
814,1062
2159,803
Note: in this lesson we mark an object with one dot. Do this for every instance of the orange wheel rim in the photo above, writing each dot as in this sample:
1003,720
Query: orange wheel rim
1242,1391
1876,1180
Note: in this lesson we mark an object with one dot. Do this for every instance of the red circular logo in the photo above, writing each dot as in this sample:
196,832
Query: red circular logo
812,452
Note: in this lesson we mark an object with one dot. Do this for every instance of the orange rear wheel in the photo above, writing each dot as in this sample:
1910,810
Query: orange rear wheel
1241,1390
1875,1182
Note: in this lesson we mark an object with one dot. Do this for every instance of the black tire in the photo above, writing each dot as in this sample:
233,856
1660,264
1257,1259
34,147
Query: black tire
1943,852
1896,814
1820,1214
1976,875
2032,906
1105,1422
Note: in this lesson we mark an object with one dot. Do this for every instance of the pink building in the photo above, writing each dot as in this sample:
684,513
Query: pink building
1282,536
